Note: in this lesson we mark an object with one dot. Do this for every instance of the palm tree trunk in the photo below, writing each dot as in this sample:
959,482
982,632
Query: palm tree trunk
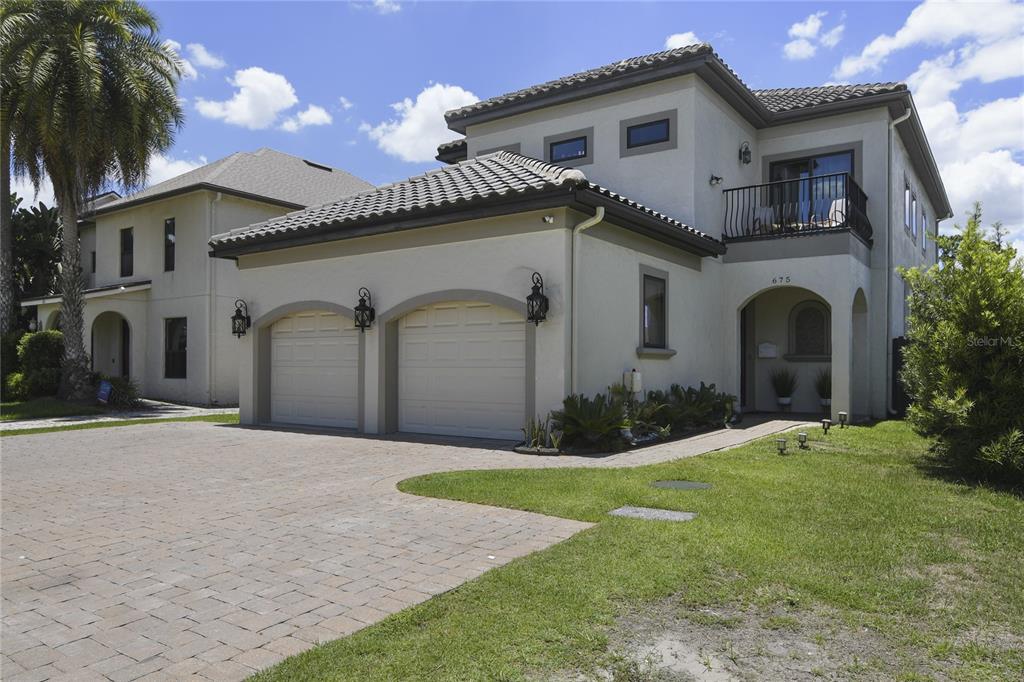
6,239
74,380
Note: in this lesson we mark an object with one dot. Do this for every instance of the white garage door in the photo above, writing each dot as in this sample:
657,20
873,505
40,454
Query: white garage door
462,371
314,371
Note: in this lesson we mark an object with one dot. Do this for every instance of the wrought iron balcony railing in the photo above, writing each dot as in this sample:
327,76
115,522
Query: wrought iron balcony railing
796,207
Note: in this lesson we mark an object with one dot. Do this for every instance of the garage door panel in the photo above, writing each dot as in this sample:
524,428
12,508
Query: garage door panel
462,370
314,370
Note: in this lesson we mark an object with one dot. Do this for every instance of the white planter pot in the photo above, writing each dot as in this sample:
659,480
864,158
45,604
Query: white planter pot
785,402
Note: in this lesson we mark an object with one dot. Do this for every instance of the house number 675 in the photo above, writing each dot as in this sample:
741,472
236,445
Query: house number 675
781,279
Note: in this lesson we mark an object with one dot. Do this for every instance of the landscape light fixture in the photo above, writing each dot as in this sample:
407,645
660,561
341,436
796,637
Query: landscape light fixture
364,312
240,321
802,437
781,444
826,424
537,302
842,420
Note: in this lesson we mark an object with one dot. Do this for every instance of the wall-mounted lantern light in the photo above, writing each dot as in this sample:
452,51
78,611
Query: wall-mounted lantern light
537,302
745,153
240,321
364,312
715,180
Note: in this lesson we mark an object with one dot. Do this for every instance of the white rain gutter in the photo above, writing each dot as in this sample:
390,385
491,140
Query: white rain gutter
574,333
889,264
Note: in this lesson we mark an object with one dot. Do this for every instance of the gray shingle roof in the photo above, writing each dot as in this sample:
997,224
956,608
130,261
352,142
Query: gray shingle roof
266,172
788,99
500,175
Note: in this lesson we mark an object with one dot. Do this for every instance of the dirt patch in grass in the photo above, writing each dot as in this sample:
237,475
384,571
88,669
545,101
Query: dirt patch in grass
730,644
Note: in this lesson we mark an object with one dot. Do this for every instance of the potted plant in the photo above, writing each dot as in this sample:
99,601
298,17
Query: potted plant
784,385
823,386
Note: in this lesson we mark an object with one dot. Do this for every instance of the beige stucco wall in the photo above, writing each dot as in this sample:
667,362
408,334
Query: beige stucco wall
496,255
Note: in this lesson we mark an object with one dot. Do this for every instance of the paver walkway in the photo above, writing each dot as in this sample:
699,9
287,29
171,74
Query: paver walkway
148,409
198,550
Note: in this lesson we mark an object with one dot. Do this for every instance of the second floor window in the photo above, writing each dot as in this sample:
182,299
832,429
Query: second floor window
127,252
913,216
907,219
654,312
92,262
644,134
568,150
924,230
169,245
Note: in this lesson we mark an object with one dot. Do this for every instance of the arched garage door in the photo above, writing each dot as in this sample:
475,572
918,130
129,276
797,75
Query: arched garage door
314,375
462,370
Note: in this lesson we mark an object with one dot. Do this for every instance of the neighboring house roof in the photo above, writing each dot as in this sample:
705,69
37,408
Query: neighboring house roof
762,108
493,184
265,175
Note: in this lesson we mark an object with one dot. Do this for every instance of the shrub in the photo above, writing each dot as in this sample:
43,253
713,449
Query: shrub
42,382
41,350
590,423
124,393
964,363
14,387
823,383
9,363
783,382
692,408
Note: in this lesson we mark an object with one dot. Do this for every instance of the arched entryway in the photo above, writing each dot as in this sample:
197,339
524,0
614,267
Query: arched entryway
53,320
111,345
786,329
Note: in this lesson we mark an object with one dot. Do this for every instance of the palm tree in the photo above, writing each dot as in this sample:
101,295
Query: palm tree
90,94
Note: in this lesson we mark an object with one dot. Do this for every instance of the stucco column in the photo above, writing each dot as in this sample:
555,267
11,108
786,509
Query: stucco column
247,370
842,355
371,371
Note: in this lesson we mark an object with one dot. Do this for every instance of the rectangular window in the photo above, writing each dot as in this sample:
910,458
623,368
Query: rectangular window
92,262
169,245
568,150
127,251
654,312
913,216
175,347
906,205
644,134
924,230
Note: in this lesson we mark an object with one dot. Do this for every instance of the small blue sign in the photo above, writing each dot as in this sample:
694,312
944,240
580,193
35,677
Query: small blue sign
103,394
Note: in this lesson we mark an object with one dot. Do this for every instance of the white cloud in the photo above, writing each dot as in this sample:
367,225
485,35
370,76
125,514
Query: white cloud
936,22
204,58
677,40
24,189
800,48
808,28
387,6
188,71
807,36
312,116
420,126
993,178
345,102
261,96
164,167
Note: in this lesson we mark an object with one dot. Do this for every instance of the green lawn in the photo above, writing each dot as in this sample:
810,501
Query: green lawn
853,528
41,408
231,418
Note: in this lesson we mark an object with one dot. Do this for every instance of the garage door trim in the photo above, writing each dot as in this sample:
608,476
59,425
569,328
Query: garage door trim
387,331
261,352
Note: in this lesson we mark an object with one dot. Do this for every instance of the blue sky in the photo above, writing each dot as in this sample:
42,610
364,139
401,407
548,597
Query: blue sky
274,73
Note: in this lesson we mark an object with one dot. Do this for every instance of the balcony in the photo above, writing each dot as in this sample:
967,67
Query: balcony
791,208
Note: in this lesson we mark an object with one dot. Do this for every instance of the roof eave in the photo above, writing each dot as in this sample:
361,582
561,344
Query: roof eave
103,210
921,154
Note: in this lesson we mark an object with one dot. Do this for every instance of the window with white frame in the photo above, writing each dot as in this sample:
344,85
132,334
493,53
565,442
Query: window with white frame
907,219
913,216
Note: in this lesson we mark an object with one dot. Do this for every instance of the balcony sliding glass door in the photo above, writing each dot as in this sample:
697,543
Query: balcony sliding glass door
810,192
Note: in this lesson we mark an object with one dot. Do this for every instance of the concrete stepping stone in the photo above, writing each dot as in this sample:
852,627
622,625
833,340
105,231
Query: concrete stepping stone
681,485
652,514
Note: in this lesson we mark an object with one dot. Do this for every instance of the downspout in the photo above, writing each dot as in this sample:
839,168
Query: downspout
889,262
211,308
574,328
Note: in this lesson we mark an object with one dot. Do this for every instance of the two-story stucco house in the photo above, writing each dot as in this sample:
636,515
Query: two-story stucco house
157,307
683,225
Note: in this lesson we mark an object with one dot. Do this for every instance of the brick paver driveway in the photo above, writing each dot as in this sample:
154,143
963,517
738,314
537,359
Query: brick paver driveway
192,549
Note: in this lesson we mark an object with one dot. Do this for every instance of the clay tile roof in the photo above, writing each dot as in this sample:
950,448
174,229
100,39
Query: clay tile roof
778,100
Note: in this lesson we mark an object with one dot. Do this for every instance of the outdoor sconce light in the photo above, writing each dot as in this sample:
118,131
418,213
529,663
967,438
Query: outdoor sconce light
802,437
842,420
364,312
826,424
715,180
240,321
745,153
781,444
537,302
